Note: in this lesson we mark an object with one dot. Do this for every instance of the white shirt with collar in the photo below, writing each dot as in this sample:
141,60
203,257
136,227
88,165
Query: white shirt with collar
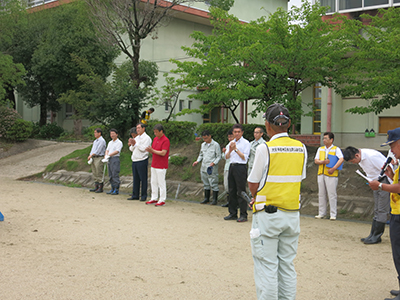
243,146
260,168
139,152
372,162
114,146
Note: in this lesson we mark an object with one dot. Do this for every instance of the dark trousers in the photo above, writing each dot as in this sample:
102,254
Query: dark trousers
237,179
113,171
140,175
395,240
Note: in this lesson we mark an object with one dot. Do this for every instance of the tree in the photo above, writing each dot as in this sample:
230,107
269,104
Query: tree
12,16
115,104
46,47
136,20
372,72
169,94
268,60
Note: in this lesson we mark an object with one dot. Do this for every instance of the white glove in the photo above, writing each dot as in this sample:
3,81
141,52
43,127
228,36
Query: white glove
105,159
90,161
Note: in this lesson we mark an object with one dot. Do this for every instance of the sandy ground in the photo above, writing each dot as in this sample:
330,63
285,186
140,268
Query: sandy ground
67,243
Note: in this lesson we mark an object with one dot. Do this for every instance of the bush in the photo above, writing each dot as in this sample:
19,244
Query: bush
8,117
88,132
20,131
219,131
50,131
35,129
176,131
177,160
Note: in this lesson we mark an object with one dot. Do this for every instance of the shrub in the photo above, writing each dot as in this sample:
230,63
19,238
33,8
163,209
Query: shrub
20,131
219,131
50,131
88,132
176,131
8,117
35,129
177,160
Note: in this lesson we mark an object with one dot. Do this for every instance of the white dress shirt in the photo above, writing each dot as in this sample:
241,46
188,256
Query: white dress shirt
139,152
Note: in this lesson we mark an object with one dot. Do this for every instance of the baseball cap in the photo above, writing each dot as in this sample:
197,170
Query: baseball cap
277,114
392,136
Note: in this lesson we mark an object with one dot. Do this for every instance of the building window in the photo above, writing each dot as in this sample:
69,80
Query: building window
349,4
180,105
317,109
396,1
375,2
388,123
68,111
331,4
190,103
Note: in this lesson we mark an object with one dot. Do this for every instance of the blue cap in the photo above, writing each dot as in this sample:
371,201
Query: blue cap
393,135
209,170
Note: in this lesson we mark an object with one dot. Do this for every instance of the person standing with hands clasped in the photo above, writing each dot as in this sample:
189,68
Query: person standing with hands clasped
328,176
279,167
394,190
210,155
159,166
238,153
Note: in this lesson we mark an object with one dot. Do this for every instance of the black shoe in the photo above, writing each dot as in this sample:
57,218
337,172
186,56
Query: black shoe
225,205
215,198
241,220
395,298
131,198
207,194
230,217
376,236
96,186
142,200
395,292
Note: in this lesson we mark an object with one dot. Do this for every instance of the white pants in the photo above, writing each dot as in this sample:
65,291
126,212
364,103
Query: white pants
327,191
158,183
274,241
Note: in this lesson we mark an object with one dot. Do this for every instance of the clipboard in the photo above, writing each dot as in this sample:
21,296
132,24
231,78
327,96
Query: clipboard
333,159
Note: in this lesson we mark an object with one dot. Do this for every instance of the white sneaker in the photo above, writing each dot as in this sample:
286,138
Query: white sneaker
319,217
333,218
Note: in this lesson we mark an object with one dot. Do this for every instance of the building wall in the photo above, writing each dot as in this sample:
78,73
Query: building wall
349,129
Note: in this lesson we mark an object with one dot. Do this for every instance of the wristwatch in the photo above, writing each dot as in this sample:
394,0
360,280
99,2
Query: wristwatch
380,186
236,150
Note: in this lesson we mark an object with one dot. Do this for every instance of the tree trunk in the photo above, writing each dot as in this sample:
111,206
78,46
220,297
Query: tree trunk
43,115
78,126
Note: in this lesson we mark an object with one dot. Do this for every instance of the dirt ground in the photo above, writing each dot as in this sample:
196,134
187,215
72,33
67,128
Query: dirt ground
58,242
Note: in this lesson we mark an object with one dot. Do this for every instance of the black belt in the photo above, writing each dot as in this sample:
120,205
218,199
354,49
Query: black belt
237,164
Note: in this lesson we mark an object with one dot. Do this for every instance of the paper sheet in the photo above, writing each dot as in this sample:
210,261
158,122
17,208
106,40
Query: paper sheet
362,175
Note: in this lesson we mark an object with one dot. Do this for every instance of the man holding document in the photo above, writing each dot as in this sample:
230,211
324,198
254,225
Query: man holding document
330,160
372,161
394,190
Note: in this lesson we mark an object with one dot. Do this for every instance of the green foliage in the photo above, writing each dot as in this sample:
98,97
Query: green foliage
46,47
177,160
187,173
8,117
222,4
219,131
177,132
10,74
20,131
72,165
268,60
77,155
88,132
50,131
115,104
373,70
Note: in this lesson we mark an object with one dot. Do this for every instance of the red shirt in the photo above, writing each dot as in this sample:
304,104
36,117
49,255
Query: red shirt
160,162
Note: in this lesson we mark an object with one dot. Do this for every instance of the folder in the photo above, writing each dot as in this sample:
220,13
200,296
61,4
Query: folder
333,159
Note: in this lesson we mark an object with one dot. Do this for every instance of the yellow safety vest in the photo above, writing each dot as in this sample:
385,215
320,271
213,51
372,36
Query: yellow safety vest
146,118
323,169
283,178
394,197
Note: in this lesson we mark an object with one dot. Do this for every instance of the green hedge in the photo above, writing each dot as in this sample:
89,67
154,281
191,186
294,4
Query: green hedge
176,131
20,131
219,131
